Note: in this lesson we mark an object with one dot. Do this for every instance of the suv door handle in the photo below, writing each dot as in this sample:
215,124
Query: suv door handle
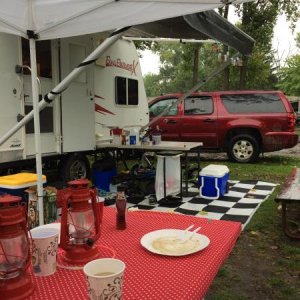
170,121
209,121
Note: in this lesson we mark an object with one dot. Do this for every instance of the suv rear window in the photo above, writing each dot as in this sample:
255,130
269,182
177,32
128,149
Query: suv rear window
198,105
253,103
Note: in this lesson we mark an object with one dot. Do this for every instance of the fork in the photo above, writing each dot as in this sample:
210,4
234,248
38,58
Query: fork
183,240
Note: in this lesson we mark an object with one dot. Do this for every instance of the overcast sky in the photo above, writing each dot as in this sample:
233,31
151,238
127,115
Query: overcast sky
284,41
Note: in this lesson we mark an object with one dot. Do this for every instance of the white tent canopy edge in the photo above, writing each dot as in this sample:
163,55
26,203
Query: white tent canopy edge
64,18
42,19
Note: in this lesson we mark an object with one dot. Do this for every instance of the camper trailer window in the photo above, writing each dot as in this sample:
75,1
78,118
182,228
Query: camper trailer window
133,89
121,90
46,120
126,91
43,57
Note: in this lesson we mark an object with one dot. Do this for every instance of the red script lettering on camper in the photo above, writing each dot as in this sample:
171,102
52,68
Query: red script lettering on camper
121,64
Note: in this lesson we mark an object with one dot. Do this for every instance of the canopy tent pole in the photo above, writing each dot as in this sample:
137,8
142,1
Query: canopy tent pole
64,84
37,137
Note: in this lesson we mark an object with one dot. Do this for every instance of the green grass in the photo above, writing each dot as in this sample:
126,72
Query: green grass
278,255
298,130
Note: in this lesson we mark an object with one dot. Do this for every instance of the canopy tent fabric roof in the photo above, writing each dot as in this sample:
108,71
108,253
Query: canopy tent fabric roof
199,26
64,18
51,19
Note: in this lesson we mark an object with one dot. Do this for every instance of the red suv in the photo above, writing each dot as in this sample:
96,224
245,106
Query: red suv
242,123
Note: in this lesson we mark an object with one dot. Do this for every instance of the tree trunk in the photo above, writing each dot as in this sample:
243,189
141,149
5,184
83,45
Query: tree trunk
226,73
243,73
196,66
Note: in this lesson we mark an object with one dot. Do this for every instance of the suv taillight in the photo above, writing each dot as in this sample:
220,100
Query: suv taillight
291,122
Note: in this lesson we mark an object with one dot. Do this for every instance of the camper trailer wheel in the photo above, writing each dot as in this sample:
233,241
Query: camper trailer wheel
75,167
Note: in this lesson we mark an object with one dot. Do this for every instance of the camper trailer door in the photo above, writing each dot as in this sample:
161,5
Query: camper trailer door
11,96
77,103
46,78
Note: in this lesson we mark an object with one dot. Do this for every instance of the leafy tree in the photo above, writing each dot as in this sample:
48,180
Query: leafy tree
177,68
177,72
152,85
258,20
289,75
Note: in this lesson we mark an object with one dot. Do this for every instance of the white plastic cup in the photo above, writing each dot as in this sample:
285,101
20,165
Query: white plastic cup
156,139
104,278
44,250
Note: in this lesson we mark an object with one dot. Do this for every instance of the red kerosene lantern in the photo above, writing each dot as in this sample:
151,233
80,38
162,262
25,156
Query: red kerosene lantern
15,253
80,222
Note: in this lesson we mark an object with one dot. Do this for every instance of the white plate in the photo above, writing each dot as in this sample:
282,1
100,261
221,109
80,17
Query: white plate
55,226
167,239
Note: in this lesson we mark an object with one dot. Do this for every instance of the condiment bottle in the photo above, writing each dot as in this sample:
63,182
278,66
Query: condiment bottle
123,139
121,207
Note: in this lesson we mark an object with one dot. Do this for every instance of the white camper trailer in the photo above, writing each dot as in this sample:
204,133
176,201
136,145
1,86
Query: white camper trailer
109,93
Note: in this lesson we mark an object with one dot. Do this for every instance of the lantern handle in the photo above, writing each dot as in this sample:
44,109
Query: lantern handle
62,201
28,237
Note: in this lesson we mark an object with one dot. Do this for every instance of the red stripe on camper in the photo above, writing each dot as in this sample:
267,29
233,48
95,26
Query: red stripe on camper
102,110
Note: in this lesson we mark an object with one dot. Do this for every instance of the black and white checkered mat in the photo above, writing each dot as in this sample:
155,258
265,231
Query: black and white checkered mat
239,204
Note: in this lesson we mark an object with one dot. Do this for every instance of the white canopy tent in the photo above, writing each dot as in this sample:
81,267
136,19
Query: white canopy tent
51,19
63,18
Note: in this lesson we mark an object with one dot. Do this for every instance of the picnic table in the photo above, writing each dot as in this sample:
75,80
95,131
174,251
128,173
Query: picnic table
148,275
290,196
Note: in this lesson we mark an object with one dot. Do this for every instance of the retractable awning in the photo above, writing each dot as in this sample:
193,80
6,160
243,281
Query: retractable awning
199,26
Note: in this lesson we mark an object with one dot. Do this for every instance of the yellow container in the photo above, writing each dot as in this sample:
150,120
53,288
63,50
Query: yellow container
19,180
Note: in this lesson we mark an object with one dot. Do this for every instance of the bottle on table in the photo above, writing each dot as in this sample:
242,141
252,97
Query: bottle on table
121,207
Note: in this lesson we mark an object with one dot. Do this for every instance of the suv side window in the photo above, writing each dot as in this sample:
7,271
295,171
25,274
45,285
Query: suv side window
253,103
158,107
201,105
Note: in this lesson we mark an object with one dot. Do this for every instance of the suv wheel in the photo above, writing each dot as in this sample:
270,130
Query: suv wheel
243,148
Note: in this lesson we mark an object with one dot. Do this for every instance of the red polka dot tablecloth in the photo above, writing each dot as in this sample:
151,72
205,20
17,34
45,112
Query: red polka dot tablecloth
147,275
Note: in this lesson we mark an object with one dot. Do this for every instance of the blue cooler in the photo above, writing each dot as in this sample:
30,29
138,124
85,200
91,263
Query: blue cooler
102,179
213,181
103,171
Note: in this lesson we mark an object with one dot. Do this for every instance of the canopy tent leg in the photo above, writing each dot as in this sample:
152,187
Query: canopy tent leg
37,136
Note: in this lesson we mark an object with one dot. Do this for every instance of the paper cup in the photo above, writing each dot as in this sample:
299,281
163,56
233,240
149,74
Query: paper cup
104,278
44,248
156,139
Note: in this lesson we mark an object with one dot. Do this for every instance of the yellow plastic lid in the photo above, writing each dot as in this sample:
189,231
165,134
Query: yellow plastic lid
19,180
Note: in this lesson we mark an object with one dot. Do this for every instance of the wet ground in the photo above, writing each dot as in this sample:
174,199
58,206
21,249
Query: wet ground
291,152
